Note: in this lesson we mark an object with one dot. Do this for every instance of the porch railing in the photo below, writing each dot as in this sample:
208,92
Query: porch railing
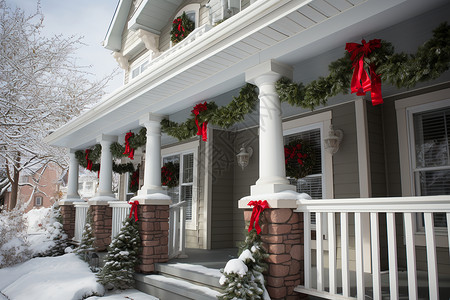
81,210
403,221
120,211
177,232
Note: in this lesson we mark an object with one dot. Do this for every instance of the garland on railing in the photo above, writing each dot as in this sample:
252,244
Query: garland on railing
223,116
399,69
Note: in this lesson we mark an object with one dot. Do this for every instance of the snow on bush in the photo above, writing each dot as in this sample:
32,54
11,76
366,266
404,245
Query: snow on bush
14,247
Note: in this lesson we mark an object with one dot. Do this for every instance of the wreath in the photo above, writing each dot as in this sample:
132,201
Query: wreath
169,174
299,158
181,27
134,181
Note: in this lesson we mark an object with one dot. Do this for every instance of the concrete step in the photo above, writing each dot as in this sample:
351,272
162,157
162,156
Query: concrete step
181,281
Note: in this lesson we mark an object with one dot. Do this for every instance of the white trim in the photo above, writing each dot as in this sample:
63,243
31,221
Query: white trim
186,148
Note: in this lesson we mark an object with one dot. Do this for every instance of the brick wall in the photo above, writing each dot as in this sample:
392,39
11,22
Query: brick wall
68,216
101,226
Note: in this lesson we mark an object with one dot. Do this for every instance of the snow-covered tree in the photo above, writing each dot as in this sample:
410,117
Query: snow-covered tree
14,247
122,257
243,277
56,233
87,239
41,88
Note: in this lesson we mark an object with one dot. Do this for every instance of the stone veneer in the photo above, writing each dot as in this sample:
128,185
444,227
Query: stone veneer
154,231
282,235
68,219
101,226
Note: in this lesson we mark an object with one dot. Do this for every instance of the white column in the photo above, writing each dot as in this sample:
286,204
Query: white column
272,172
152,192
72,184
104,192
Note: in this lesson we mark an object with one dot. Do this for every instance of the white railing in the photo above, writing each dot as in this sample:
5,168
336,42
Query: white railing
177,232
348,282
81,210
120,211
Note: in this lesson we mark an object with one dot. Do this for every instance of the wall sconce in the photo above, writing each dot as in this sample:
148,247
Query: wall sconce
243,157
94,262
333,141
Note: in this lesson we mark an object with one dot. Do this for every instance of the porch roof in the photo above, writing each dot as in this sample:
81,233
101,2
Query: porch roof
216,61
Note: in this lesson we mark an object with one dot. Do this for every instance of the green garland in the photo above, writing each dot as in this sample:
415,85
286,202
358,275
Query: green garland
224,116
136,141
181,28
399,69
299,159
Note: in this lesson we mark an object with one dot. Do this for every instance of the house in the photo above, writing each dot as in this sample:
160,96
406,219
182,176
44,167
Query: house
41,188
380,174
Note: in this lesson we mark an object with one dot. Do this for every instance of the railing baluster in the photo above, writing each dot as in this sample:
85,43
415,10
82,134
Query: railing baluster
392,255
344,251
431,256
375,241
171,233
360,287
319,251
332,252
307,247
182,231
410,255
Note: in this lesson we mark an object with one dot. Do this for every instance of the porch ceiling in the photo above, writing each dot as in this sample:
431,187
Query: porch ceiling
287,31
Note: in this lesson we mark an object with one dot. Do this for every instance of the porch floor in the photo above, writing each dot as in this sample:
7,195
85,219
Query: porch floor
214,259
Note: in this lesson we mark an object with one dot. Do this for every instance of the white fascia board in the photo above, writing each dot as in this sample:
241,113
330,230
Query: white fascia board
113,39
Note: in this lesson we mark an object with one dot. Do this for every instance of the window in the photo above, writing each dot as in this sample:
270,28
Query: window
430,140
185,156
139,69
38,201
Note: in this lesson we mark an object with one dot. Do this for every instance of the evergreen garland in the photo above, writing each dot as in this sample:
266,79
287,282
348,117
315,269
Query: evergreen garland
224,116
87,239
121,258
182,26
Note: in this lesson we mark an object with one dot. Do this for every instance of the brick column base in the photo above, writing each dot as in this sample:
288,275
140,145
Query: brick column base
154,231
68,217
101,225
282,235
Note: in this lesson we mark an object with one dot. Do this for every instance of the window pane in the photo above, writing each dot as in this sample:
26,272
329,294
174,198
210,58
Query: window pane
173,193
188,168
135,72
186,195
144,66
431,138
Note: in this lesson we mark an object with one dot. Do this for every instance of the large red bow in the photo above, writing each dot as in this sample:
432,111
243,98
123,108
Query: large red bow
89,162
203,129
361,82
134,207
128,149
258,207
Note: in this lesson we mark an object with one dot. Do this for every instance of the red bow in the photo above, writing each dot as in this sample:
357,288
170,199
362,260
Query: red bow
203,129
134,207
258,207
361,82
89,162
128,149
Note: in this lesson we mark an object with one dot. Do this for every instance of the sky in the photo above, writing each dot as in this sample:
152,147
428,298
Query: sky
87,18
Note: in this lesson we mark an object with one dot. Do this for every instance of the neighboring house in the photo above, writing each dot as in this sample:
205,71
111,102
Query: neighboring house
395,149
42,188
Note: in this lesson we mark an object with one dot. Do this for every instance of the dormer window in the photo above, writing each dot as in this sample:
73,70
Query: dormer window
139,69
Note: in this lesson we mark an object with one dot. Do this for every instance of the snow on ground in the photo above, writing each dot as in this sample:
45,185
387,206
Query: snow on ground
61,277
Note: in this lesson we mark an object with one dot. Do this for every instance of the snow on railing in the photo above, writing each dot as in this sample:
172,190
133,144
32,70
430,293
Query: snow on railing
177,233
81,209
120,211
417,221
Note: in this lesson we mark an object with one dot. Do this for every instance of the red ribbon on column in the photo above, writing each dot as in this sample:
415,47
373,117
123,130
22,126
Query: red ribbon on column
203,129
89,162
134,207
258,207
128,149
361,82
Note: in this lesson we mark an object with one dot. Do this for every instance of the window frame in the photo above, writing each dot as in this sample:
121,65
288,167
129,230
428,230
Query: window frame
36,201
405,108
183,149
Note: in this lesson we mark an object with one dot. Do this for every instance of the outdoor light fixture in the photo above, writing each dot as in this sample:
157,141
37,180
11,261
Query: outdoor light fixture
243,157
333,141
94,262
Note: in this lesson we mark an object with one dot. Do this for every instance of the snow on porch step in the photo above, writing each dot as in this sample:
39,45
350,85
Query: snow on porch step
194,273
166,288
